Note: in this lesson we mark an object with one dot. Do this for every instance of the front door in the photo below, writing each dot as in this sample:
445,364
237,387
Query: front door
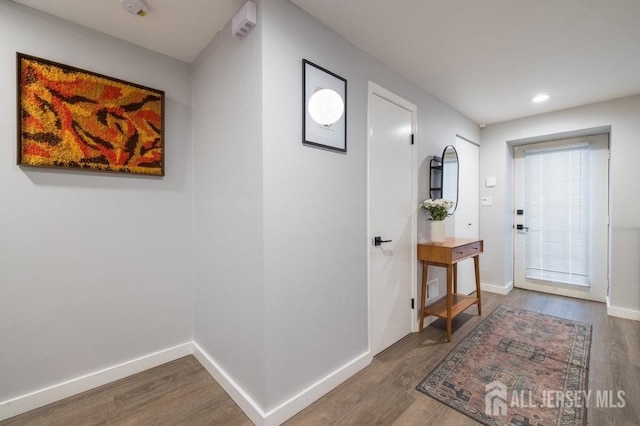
561,216
391,218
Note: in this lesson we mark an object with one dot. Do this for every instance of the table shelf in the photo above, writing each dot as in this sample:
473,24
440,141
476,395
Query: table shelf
459,303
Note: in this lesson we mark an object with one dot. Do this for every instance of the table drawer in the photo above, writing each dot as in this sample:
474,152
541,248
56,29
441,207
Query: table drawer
465,251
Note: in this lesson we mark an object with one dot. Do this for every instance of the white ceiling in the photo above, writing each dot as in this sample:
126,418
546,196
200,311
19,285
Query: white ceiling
177,28
485,58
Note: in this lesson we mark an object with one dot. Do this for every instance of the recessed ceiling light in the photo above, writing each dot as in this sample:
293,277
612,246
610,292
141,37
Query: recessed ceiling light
540,98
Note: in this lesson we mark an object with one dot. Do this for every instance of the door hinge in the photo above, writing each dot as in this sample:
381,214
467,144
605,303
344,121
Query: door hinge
413,303
412,135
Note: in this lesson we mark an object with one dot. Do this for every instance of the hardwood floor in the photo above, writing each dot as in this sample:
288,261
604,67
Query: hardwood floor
384,392
182,392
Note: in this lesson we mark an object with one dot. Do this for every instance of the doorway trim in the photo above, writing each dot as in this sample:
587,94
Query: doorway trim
578,133
376,90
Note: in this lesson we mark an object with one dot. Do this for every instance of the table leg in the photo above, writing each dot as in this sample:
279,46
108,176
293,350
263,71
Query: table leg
476,264
455,278
449,300
423,296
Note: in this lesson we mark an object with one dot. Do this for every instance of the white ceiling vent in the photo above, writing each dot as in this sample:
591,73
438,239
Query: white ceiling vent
244,20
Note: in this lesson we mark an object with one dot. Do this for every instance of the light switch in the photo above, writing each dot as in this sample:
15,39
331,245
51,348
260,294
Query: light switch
487,201
490,182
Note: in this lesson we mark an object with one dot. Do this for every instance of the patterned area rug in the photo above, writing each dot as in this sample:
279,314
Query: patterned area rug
517,367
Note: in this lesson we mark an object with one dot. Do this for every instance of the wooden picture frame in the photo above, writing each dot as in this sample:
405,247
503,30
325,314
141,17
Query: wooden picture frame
324,108
76,119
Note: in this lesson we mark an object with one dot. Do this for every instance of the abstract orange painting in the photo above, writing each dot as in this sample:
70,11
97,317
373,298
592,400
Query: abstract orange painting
76,119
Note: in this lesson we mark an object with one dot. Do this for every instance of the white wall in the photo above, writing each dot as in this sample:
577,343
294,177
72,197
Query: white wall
315,230
267,235
496,160
228,207
94,267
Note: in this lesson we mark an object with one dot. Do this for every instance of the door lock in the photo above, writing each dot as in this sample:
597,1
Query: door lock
378,241
522,228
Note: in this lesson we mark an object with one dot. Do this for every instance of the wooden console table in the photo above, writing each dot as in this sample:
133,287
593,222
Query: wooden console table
447,255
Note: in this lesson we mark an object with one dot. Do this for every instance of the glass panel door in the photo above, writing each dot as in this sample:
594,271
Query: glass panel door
557,207
561,217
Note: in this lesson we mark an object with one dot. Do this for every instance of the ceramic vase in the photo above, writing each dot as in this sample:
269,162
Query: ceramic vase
437,231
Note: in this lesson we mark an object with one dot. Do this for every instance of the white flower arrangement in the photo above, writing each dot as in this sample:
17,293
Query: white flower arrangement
437,209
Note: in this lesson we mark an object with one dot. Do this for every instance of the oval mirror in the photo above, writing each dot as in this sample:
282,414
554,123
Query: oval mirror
450,172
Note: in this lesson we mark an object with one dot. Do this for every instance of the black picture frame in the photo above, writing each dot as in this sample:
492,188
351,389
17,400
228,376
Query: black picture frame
66,120
329,136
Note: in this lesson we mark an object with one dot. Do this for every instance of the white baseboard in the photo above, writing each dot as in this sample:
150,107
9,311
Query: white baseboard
492,288
42,397
244,401
622,312
289,408
257,415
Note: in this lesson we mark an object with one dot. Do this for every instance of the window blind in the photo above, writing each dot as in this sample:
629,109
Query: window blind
557,214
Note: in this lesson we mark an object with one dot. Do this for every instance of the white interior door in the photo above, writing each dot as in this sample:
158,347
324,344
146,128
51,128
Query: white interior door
467,215
561,204
392,210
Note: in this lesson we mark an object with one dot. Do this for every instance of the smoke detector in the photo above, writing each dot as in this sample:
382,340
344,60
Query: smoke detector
136,7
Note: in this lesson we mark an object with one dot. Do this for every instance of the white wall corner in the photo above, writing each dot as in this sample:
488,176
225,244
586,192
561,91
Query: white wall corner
622,312
57,392
289,408
239,396
498,289
297,403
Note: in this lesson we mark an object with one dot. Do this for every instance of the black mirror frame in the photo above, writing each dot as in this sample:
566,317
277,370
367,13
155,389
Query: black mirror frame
455,152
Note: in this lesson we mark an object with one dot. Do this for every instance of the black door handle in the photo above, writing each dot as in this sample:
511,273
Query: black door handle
378,240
